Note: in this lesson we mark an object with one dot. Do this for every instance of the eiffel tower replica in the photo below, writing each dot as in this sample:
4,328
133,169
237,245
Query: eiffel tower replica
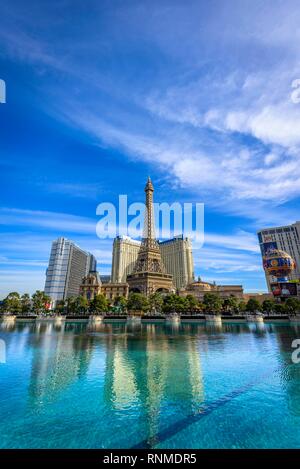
149,274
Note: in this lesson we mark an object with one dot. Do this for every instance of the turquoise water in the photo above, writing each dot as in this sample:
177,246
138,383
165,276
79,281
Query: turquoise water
153,386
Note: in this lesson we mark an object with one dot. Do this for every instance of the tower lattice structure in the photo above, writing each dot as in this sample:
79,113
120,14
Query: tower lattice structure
149,274
149,258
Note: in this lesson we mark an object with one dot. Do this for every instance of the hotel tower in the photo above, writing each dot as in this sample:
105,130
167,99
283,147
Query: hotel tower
176,254
285,238
68,264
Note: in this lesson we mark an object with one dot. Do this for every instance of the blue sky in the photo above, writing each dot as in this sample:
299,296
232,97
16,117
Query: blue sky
101,94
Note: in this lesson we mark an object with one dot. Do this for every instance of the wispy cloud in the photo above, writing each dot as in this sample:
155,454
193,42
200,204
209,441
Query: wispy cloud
198,92
45,219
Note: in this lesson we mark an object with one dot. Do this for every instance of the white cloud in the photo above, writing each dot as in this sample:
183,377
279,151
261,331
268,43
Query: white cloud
45,219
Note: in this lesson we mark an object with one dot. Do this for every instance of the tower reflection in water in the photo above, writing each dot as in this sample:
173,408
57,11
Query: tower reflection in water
141,362
115,385
140,370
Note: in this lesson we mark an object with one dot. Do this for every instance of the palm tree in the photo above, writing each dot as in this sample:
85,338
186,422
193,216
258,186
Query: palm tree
25,303
40,302
81,304
70,305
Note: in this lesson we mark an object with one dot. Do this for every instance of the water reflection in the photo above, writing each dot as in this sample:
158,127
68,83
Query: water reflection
152,368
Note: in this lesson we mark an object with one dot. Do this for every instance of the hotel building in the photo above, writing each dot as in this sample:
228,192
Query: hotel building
91,286
125,253
199,288
176,255
68,264
285,238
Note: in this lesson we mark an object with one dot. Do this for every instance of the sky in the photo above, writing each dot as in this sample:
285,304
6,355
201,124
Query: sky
101,94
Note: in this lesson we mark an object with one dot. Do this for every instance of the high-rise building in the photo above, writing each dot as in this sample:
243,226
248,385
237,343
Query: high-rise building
285,238
125,254
176,254
68,264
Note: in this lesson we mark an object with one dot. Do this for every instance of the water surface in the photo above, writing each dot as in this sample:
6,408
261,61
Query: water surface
149,385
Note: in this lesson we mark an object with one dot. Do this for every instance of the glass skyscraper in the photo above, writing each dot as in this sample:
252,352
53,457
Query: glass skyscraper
68,264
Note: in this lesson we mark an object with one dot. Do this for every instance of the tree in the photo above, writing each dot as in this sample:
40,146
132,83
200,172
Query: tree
81,304
213,303
169,304
12,303
70,305
156,302
99,304
241,307
25,303
268,306
60,306
181,304
230,304
253,305
121,303
138,302
292,306
40,302
280,308
191,302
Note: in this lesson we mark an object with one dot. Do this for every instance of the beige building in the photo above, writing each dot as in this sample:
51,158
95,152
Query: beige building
285,238
113,290
176,255
261,297
199,288
124,257
90,286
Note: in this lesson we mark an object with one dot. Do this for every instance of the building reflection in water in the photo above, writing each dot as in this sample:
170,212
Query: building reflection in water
61,355
141,369
141,362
